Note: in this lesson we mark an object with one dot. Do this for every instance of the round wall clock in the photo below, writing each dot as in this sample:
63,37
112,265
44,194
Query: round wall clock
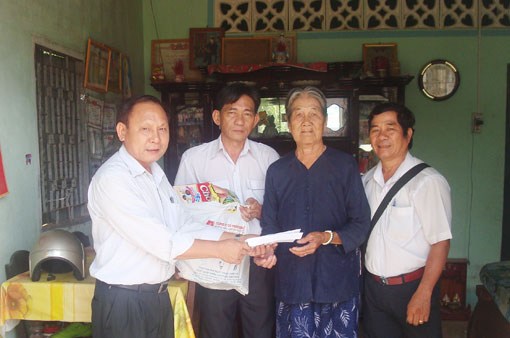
438,80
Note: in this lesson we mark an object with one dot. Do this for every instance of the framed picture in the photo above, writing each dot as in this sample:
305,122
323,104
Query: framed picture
127,84
378,58
94,109
109,117
3,182
205,47
97,66
246,51
284,48
170,61
114,75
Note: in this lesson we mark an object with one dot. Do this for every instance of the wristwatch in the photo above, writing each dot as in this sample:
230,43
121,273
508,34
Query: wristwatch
331,235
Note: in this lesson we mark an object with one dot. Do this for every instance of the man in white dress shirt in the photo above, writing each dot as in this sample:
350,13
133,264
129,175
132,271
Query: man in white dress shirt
234,162
408,246
139,231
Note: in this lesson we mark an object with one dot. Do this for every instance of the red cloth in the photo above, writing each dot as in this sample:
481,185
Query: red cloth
314,66
3,183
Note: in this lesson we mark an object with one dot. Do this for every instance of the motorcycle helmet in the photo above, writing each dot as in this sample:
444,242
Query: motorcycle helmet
57,251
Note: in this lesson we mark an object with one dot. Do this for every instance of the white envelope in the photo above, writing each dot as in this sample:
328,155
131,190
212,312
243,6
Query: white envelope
280,237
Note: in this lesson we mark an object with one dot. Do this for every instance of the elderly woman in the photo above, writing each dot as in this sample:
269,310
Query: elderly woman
317,189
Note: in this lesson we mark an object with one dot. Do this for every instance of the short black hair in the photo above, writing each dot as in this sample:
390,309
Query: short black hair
126,107
232,92
405,117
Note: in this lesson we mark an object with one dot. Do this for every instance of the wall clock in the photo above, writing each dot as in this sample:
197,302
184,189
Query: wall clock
438,80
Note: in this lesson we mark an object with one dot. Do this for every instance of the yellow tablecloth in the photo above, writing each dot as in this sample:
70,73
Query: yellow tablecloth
66,299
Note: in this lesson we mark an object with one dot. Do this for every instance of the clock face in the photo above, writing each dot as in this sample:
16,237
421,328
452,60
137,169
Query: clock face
439,80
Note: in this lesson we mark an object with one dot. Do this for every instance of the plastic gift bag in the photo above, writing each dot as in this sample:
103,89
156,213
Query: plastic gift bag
218,207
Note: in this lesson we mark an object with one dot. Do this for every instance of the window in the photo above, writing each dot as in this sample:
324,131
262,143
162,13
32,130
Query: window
62,138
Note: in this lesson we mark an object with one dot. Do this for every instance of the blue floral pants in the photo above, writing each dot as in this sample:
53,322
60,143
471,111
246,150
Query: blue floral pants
317,320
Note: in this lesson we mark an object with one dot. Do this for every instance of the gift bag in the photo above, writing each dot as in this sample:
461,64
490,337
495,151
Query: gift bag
214,206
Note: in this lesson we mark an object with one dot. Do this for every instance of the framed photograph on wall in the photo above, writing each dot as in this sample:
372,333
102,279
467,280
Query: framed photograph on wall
205,47
114,75
170,61
378,58
246,51
127,83
97,66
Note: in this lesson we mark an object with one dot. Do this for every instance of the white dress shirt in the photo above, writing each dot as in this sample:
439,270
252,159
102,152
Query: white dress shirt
418,216
210,162
137,229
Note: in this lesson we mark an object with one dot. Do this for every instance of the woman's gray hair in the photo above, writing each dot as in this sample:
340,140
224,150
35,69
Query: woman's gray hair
309,91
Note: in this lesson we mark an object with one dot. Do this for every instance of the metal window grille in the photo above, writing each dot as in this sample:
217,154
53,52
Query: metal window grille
62,140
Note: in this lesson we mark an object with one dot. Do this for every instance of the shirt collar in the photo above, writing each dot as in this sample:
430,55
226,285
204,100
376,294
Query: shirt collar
408,163
220,148
135,168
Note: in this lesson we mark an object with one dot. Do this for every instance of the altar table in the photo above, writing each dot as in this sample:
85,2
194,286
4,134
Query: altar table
69,300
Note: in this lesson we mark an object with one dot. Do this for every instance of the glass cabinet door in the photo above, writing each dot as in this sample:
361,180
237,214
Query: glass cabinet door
367,157
190,122
273,121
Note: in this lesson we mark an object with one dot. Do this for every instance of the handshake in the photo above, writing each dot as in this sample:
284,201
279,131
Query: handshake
233,251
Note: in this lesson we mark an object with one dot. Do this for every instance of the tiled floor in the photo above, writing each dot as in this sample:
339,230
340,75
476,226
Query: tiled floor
451,329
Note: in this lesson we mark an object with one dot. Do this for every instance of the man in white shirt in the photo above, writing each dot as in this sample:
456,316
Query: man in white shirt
238,164
139,232
408,246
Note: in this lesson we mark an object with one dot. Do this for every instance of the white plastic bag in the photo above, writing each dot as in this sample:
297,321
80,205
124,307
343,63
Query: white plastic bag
214,206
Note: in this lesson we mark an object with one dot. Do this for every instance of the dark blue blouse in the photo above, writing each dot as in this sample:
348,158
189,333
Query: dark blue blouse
328,196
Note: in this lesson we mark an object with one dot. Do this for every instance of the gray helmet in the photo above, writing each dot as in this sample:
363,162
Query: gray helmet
57,251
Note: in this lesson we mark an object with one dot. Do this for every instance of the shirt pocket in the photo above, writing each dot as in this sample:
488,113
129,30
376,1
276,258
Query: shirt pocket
256,189
401,224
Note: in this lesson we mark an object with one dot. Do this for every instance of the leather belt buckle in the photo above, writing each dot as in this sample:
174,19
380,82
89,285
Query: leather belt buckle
383,280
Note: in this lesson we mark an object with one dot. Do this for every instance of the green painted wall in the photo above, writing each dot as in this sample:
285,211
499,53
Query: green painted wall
67,23
472,163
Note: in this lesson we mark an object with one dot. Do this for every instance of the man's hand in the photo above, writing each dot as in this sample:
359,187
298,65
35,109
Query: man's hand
314,240
252,210
418,309
232,251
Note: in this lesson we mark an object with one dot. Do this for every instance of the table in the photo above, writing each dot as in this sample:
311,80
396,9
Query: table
67,299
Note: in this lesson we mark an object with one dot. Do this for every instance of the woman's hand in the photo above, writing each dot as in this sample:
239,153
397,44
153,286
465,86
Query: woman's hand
313,240
268,259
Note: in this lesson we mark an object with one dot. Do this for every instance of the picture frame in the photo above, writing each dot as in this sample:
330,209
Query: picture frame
246,50
378,58
127,83
115,73
97,66
170,61
205,47
290,41
94,110
109,117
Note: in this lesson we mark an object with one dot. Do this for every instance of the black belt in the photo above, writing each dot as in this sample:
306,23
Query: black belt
152,288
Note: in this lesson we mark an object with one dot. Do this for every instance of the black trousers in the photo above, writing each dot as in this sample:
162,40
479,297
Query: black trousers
121,313
385,311
218,308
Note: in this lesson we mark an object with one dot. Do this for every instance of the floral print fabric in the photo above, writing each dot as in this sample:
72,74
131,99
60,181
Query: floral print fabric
317,320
